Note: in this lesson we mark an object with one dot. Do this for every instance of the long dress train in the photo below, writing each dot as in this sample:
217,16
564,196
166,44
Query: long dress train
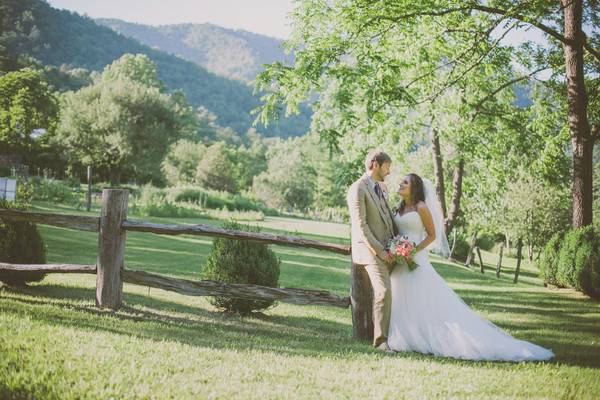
428,317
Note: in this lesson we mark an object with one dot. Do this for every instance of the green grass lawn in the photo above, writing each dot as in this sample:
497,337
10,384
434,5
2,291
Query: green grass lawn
54,343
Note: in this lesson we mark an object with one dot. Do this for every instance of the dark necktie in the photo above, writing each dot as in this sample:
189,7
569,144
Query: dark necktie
378,190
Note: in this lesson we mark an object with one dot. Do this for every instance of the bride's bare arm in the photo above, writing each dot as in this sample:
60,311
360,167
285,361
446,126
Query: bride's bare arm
427,219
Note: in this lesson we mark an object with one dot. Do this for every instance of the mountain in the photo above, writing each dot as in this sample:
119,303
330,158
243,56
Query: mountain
54,37
235,54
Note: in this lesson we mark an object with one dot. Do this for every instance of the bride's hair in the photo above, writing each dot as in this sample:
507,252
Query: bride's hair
417,192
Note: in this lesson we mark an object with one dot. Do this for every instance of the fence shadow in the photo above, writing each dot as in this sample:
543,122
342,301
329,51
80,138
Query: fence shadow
151,318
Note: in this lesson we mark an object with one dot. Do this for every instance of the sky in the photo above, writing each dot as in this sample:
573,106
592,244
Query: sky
267,17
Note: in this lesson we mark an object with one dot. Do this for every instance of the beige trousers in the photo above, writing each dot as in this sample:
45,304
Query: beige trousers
379,274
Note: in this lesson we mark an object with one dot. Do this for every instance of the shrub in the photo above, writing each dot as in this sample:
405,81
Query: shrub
234,261
548,263
579,261
461,248
215,200
21,243
52,190
487,241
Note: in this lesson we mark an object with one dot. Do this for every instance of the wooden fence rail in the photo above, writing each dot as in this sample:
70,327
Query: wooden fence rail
113,224
207,230
240,291
49,268
81,223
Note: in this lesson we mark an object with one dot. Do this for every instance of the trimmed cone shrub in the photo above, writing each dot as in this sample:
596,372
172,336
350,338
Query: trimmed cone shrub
237,261
579,261
21,243
548,263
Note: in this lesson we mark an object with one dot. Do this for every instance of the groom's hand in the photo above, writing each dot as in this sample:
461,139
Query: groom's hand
386,257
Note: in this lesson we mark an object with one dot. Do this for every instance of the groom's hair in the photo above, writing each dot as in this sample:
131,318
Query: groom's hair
376,156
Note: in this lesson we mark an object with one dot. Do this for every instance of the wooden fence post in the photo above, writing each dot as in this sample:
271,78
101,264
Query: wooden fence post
361,301
499,265
111,249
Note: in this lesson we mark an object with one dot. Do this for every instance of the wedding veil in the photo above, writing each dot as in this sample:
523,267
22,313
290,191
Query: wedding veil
440,244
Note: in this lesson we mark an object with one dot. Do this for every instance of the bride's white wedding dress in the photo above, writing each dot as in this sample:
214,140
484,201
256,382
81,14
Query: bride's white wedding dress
428,317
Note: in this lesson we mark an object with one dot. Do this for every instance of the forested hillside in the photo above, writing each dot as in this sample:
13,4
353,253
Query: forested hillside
226,52
54,37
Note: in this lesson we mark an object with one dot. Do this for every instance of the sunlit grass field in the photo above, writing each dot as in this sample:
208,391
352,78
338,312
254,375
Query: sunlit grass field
54,343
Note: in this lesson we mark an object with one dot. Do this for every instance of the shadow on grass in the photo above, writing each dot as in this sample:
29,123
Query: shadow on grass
552,321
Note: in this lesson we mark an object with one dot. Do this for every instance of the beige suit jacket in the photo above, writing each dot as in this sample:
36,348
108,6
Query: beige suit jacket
372,223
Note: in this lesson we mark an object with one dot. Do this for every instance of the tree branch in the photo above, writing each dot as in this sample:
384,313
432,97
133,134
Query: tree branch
480,103
490,10
555,34
522,18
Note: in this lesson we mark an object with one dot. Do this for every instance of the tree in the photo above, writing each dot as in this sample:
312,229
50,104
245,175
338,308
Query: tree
368,49
217,169
533,211
181,162
26,104
138,68
123,125
289,181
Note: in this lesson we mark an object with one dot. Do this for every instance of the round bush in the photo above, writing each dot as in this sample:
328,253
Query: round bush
236,261
565,271
548,264
579,261
21,243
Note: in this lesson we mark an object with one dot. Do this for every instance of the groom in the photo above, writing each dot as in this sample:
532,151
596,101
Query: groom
372,227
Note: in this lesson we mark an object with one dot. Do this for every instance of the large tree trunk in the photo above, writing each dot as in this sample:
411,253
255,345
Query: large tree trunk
438,168
456,195
581,138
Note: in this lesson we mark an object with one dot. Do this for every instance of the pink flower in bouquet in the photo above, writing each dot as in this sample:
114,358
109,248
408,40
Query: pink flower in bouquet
403,250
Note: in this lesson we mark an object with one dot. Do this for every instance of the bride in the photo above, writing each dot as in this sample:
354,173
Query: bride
427,316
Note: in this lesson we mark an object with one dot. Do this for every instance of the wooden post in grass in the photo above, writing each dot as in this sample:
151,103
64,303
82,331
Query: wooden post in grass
519,249
111,249
88,205
499,261
480,261
361,301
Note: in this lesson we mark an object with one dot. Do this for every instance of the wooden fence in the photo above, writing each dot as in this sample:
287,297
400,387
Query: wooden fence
113,224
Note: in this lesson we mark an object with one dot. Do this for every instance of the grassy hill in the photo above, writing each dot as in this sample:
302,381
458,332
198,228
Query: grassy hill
56,344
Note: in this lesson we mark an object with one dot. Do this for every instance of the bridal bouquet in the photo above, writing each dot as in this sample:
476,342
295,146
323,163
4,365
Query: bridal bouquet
401,249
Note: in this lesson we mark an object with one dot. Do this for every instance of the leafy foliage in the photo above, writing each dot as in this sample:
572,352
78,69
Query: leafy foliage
548,263
237,261
289,181
180,163
20,243
579,261
120,123
26,103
